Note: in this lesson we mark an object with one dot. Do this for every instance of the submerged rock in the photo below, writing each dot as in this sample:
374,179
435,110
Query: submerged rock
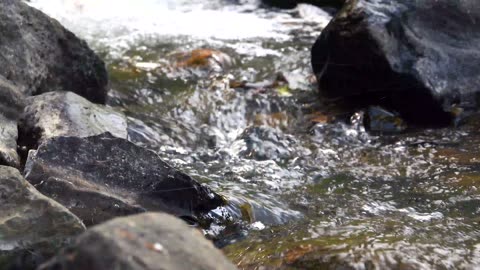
267,143
67,114
380,120
39,55
416,57
102,177
147,241
32,226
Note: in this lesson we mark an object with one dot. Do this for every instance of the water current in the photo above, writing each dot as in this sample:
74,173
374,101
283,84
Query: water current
312,193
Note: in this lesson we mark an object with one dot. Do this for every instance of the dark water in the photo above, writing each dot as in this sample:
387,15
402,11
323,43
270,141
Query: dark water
315,195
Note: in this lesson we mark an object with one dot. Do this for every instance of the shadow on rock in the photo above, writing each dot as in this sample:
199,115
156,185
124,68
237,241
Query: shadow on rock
102,177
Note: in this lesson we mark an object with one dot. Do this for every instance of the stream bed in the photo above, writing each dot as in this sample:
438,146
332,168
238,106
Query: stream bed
312,193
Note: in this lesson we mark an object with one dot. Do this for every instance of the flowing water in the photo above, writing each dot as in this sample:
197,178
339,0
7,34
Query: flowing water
312,194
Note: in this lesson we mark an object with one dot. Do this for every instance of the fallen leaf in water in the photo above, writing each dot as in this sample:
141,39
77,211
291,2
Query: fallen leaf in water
284,91
321,118
294,254
202,58
278,119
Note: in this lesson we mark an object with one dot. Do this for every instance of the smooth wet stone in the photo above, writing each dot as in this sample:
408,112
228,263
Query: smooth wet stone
67,114
151,241
419,58
32,226
39,55
380,120
11,105
102,177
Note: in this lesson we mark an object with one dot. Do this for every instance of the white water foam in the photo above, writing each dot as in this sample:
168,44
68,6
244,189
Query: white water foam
124,19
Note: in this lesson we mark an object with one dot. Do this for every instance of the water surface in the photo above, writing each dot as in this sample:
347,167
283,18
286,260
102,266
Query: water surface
311,194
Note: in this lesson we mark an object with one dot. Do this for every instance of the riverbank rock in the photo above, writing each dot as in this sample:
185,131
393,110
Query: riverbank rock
151,241
67,114
32,226
102,177
39,55
293,3
419,58
11,105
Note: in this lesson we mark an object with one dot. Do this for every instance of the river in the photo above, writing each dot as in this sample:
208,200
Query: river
312,194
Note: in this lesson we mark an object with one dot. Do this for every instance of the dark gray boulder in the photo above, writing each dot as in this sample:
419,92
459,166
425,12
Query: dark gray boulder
32,226
151,241
39,55
419,58
56,114
11,105
102,177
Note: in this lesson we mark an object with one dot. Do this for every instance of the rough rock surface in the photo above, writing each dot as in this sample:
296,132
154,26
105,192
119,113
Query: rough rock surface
416,57
102,177
31,225
151,241
8,142
11,105
67,114
39,55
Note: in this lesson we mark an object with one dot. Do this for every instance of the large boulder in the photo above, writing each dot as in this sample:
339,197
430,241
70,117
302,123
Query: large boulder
11,105
57,114
32,226
39,55
419,58
151,241
102,177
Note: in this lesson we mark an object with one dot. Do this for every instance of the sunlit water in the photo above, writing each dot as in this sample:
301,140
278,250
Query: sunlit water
331,195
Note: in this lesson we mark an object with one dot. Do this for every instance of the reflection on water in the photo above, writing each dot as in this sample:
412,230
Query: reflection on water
330,194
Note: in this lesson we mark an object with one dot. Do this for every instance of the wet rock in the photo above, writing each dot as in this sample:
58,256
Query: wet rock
416,57
279,84
380,120
32,226
102,177
39,55
67,114
147,241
